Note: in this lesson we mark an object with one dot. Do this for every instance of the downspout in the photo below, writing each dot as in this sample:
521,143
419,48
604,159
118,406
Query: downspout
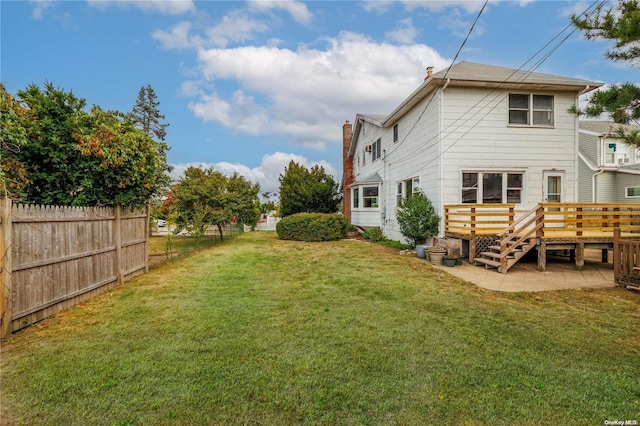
440,166
593,185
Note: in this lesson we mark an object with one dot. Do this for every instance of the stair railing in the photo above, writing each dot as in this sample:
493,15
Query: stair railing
519,231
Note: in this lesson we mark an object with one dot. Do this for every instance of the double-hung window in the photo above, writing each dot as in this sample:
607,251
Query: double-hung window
406,188
530,110
356,198
375,150
370,196
492,187
395,133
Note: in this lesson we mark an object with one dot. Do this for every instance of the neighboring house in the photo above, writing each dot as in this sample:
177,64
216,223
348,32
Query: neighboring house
608,169
472,133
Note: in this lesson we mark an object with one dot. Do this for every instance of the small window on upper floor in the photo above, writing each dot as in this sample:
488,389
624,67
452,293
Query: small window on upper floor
395,133
376,150
531,110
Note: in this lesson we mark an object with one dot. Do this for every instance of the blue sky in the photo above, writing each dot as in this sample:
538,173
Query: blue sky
248,86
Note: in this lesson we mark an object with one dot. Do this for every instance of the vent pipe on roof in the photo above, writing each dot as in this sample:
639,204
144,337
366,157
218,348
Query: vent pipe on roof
429,72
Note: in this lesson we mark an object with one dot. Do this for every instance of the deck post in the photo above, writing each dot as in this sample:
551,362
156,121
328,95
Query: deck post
616,254
542,256
580,256
473,242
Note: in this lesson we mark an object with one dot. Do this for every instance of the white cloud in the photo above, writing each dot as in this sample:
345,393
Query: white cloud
298,11
178,37
39,7
234,27
166,7
456,22
377,6
306,93
267,174
469,6
404,34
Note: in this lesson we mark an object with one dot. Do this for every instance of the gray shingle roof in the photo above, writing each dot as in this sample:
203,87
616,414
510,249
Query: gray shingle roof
374,178
471,71
604,127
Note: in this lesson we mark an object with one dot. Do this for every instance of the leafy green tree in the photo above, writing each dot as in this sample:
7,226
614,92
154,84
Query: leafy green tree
206,198
54,165
242,200
620,24
76,158
417,218
124,160
307,191
13,136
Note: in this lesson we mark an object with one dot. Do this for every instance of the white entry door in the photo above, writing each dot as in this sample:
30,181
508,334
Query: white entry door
553,187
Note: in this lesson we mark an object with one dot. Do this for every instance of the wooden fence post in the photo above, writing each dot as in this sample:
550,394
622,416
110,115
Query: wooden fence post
6,297
147,233
117,239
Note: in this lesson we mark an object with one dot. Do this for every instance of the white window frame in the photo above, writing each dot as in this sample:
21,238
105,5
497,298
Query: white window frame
355,197
364,197
376,150
402,189
395,133
626,192
478,187
531,110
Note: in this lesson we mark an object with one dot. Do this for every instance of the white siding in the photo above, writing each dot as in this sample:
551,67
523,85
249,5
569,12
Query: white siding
606,185
590,146
623,181
414,155
477,136
585,183
466,129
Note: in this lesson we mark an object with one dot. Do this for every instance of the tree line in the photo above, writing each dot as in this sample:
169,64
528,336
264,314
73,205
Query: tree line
54,152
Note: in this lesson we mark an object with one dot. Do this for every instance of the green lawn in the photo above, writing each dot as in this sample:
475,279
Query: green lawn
266,332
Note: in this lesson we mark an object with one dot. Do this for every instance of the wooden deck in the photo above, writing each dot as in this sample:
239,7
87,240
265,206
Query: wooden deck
552,226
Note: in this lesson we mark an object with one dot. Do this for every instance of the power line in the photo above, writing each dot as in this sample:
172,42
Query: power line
520,80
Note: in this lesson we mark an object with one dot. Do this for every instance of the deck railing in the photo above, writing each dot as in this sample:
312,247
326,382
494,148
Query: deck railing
626,260
589,219
479,219
558,219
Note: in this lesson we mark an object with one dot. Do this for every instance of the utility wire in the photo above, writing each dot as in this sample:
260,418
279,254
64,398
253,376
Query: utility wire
508,79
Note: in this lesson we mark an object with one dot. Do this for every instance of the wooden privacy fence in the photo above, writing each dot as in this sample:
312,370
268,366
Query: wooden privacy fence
55,257
626,260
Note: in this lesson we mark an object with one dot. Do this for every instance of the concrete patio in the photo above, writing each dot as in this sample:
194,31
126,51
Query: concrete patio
560,274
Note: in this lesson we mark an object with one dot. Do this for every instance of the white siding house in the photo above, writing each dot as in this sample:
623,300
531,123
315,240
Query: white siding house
609,169
471,133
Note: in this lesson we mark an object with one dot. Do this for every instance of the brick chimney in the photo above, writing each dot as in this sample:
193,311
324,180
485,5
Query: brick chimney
347,170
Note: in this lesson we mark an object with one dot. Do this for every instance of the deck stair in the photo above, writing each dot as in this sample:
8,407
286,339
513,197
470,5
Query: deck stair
514,242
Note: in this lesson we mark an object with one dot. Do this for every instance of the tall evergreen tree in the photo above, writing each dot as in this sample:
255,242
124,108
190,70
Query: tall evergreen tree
146,115
621,25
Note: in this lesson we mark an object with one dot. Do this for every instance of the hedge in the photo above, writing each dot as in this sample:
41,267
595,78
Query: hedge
312,227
